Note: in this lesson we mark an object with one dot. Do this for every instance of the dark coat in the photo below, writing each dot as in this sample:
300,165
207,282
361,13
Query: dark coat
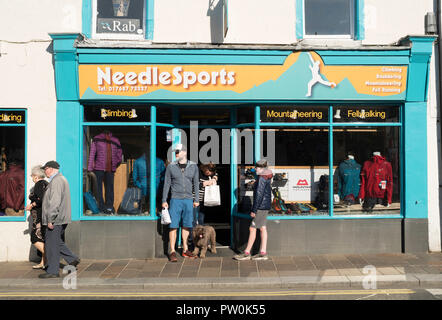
262,192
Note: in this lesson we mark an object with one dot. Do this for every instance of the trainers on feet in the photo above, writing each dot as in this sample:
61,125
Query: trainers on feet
172,257
260,256
242,256
188,254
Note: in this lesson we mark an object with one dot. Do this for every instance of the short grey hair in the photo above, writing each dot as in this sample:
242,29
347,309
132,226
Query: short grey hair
38,172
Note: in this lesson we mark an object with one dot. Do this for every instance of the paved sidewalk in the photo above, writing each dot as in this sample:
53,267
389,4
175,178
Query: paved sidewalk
392,270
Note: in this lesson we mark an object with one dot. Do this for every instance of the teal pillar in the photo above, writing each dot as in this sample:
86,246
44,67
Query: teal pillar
69,152
68,117
415,129
86,18
415,145
418,71
153,160
149,19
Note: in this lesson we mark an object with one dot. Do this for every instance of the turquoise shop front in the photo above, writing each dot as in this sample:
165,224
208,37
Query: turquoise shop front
358,116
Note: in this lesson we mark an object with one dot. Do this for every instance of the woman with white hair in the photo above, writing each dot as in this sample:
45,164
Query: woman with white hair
36,197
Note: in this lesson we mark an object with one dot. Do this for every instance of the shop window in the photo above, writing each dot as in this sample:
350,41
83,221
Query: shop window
367,162
12,162
294,114
116,181
329,18
116,113
118,19
300,166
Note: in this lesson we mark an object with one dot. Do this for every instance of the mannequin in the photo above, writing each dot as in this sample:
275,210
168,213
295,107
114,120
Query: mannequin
349,179
104,158
376,182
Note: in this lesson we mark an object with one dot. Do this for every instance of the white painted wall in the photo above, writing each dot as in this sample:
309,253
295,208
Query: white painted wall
433,145
27,81
200,21
388,21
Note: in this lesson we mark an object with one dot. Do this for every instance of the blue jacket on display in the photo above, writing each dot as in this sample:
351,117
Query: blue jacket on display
349,178
141,175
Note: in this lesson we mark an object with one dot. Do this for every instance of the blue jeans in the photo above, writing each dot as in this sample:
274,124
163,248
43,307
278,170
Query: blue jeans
198,216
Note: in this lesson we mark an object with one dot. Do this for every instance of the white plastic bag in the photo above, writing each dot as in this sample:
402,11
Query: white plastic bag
165,216
212,196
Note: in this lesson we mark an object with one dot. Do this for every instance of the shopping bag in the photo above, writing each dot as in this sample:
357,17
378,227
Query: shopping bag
165,216
212,196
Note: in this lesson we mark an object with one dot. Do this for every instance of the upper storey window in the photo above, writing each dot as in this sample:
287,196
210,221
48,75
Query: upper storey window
118,19
329,18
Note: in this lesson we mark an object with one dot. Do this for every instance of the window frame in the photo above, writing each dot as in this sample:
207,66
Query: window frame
353,16
118,36
331,125
25,162
357,25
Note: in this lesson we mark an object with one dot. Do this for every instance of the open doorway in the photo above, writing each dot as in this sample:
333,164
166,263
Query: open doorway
218,216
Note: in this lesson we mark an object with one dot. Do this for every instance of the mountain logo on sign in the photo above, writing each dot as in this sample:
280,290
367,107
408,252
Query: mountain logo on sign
302,182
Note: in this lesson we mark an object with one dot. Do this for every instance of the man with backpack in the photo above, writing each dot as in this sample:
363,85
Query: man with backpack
182,179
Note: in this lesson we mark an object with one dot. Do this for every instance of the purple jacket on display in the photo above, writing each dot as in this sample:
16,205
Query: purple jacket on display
97,155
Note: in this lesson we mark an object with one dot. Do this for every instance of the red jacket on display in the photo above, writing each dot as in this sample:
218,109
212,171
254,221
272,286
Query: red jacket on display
376,179
12,188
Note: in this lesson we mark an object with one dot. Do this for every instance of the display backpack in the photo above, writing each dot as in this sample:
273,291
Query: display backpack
91,203
131,203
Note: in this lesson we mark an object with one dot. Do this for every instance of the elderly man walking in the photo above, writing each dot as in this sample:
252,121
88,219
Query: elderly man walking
56,214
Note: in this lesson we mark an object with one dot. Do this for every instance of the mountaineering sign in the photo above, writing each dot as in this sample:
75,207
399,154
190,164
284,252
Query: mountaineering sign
302,76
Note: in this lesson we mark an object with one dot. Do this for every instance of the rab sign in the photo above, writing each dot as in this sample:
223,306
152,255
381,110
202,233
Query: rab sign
302,76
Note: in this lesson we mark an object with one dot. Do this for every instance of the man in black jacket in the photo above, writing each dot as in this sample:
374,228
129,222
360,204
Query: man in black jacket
262,201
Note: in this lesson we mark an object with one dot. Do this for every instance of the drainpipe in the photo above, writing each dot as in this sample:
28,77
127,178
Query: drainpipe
438,47
437,9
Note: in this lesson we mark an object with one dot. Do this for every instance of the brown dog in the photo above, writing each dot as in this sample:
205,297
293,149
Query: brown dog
202,237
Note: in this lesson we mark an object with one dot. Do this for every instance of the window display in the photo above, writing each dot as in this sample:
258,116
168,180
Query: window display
365,161
368,175
116,180
301,164
12,174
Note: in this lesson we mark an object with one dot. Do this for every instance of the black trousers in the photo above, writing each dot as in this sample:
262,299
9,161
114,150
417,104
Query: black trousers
108,178
55,248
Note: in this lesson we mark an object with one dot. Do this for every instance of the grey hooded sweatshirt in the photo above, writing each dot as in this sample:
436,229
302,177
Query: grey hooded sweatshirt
184,184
